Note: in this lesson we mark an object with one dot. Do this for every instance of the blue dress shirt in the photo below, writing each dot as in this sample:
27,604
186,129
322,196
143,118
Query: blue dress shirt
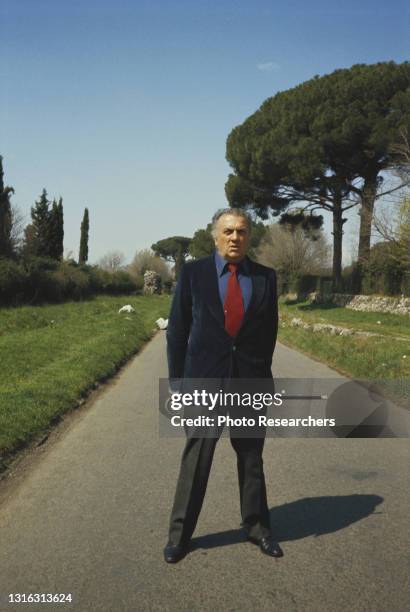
244,279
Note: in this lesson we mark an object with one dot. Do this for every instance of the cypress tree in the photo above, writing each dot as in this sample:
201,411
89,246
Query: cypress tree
85,226
29,241
53,245
42,224
60,229
56,247
5,216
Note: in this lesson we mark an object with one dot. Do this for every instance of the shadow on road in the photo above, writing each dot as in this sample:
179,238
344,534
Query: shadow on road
311,516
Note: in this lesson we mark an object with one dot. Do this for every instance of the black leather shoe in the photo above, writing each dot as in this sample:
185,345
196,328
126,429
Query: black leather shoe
174,553
268,546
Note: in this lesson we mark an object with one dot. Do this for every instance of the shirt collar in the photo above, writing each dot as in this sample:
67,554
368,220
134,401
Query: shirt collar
221,265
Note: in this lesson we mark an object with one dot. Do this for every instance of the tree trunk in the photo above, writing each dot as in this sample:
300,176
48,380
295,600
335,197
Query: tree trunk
366,217
337,242
179,262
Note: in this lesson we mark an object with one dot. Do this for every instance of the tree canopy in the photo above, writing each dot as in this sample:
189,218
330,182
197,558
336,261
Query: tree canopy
323,143
202,243
174,249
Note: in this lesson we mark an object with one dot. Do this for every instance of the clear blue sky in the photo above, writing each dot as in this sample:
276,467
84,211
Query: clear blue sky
124,106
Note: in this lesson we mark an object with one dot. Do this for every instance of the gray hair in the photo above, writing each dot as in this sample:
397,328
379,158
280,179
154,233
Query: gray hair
236,212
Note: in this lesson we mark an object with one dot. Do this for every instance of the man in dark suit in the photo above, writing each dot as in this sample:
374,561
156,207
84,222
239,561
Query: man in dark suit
223,324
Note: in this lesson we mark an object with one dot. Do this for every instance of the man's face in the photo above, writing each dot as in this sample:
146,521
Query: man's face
232,237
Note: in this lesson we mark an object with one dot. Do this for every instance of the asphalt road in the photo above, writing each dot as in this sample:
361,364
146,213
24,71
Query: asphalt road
87,514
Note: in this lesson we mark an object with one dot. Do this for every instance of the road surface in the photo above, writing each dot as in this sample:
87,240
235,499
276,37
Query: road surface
87,514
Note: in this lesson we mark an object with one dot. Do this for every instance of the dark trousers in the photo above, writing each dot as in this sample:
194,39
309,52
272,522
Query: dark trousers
193,479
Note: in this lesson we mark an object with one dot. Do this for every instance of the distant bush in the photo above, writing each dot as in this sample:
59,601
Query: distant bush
305,284
35,280
167,285
12,280
383,273
147,260
97,276
119,282
32,264
351,280
39,285
113,283
139,283
383,282
70,282
405,284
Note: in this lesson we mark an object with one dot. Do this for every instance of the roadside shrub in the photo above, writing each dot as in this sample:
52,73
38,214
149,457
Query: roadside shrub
70,283
305,284
139,283
167,285
405,284
144,260
351,279
12,278
38,283
383,273
102,281
119,282
98,277
385,281
34,280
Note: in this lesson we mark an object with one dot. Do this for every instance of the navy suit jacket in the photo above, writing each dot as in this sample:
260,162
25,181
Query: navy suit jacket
198,345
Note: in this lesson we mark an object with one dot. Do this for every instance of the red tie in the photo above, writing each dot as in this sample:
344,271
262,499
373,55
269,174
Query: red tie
233,306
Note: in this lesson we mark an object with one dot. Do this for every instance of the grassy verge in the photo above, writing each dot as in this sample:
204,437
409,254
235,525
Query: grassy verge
52,355
381,323
380,358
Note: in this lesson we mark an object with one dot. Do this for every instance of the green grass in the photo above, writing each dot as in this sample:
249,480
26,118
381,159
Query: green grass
52,355
390,324
358,357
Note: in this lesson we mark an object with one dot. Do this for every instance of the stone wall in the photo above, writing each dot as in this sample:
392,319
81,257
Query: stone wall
366,303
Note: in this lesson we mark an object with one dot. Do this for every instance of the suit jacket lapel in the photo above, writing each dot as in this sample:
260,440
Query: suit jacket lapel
211,290
258,292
